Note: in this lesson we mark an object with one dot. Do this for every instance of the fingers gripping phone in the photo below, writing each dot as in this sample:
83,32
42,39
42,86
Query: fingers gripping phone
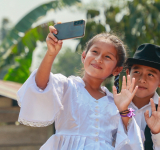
70,30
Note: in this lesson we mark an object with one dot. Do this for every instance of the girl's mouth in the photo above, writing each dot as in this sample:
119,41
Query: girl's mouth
96,66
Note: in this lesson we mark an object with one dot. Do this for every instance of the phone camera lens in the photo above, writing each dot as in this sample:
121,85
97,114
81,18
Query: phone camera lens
76,23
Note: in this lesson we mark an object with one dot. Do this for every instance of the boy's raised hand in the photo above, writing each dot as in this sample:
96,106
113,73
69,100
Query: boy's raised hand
54,45
153,122
123,99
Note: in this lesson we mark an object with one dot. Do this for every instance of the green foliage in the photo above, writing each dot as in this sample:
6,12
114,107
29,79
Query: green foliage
140,25
17,47
92,13
69,63
25,24
20,58
92,28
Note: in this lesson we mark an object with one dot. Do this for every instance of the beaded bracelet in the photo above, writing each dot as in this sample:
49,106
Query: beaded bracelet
129,113
124,112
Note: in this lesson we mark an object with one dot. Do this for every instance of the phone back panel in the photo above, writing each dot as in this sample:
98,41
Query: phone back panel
70,30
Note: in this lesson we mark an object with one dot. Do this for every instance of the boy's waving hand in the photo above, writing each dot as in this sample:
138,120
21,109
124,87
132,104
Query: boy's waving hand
153,122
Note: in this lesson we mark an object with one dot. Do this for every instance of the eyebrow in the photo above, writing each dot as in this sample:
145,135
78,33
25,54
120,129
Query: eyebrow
108,52
153,71
136,67
150,70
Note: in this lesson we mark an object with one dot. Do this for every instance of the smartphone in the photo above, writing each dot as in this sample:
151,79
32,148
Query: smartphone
69,30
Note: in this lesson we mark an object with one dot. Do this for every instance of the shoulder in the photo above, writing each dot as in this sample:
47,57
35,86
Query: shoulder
110,99
155,98
76,80
108,93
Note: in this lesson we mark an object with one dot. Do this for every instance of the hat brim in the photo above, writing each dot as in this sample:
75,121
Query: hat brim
133,61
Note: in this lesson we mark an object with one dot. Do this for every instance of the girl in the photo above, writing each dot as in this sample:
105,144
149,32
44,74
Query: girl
85,115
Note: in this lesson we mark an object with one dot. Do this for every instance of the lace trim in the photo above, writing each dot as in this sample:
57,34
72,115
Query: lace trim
34,124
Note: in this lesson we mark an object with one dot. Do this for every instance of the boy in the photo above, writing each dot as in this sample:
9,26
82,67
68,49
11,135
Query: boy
145,68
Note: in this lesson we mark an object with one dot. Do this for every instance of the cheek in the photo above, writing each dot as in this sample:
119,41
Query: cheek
132,76
136,78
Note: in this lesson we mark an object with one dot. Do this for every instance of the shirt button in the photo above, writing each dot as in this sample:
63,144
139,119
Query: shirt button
97,120
96,140
96,126
96,114
97,107
96,133
96,101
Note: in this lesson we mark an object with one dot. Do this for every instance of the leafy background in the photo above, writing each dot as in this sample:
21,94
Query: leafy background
139,23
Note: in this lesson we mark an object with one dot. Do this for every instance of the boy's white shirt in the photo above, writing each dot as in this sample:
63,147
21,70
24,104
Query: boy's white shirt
140,119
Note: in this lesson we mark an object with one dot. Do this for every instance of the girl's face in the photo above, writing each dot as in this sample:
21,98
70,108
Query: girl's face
101,59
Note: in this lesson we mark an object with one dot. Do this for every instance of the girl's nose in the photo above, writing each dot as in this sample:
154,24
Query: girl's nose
98,59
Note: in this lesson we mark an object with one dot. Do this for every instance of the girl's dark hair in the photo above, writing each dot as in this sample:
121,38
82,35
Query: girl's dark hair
119,46
127,66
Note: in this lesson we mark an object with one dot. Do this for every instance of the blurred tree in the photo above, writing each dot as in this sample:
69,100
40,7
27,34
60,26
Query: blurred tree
69,63
92,28
139,25
19,60
4,28
16,49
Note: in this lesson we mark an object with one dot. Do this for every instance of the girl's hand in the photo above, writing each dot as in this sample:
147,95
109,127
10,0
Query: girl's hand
54,45
123,99
153,122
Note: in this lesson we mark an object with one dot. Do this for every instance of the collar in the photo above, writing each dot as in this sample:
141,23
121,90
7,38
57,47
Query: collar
80,81
155,99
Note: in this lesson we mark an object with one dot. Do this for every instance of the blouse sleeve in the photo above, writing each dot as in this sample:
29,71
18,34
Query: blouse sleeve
156,141
131,139
40,107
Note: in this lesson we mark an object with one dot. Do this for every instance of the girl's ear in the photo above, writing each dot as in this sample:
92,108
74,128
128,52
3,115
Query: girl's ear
117,71
127,71
83,56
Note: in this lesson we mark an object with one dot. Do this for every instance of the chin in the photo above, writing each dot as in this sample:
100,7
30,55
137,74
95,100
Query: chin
143,95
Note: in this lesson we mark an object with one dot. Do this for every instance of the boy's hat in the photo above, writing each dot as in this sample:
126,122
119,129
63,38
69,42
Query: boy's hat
147,55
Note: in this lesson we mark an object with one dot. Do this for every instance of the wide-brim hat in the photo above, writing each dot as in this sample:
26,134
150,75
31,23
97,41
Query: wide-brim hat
147,55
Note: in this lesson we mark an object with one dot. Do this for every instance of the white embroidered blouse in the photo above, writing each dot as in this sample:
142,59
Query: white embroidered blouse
81,122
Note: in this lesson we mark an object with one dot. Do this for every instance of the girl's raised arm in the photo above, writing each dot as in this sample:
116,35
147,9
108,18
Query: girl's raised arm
54,45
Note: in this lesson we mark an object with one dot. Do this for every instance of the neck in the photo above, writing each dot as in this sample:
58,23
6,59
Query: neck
140,102
91,82
93,86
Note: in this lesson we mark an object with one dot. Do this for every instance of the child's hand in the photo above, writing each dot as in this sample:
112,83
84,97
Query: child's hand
153,122
123,99
54,45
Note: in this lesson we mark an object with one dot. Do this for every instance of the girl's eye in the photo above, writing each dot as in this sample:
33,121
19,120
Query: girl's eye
95,51
108,57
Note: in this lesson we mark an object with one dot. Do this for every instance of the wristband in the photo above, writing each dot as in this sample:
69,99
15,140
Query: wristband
130,114
124,112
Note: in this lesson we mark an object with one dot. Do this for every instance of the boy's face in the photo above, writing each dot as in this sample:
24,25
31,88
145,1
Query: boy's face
147,79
